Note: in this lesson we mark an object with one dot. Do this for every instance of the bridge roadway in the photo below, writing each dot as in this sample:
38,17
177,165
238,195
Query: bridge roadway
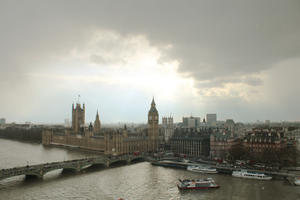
40,170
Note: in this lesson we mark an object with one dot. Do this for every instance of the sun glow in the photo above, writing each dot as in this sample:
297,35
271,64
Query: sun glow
129,62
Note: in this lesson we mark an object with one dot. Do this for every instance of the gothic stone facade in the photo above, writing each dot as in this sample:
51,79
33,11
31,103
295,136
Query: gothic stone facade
109,141
78,117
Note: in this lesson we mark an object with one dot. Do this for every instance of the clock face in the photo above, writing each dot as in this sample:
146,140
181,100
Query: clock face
150,117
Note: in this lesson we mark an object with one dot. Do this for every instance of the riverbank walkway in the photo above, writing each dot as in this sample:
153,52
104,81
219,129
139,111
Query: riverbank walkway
225,170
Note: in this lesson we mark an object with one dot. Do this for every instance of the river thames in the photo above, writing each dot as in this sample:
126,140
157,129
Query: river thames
135,181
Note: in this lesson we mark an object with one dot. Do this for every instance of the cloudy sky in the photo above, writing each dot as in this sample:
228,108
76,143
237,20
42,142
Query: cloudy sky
239,59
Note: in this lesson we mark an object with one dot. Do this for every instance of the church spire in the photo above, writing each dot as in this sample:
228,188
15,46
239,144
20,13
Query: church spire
153,102
97,123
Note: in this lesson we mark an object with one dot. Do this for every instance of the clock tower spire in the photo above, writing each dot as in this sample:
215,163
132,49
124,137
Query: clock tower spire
153,119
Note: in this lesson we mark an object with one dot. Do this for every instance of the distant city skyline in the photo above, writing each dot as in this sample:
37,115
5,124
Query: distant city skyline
177,119
239,60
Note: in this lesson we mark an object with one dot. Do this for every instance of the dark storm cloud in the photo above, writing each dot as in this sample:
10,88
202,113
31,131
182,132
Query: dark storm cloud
209,38
253,81
216,42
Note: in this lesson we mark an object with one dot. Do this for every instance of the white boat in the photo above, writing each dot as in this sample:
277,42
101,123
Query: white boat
185,161
207,170
251,175
197,184
297,181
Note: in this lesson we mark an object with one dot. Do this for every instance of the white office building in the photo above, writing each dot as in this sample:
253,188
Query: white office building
2,121
191,122
211,119
168,127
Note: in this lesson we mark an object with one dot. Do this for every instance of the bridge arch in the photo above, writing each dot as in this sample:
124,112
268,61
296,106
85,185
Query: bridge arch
99,165
33,175
118,162
137,159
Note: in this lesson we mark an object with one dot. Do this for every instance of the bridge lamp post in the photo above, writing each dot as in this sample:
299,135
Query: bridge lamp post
113,150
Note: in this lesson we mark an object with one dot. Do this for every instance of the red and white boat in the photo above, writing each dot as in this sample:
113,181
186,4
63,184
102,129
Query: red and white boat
206,183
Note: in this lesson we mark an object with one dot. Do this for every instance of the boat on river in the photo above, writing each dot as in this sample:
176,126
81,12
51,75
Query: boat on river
201,169
207,183
297,181
251,175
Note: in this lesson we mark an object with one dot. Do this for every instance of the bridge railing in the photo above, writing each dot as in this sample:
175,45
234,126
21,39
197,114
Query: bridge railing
28,169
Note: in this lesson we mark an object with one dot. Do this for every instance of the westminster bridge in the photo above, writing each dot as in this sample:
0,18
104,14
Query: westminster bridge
77,165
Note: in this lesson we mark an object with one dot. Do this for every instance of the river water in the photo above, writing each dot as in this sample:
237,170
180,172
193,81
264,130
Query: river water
136,181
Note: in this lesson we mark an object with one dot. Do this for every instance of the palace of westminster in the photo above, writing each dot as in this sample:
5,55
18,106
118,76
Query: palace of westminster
206,140
108,140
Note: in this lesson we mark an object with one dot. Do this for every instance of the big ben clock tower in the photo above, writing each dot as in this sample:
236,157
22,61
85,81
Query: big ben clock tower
153,127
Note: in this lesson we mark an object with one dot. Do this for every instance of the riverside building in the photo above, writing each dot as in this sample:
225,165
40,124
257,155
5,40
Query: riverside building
191,142
221,141
264,139
111,141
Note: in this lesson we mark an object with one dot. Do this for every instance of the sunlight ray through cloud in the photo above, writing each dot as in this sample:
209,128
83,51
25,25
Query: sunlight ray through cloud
130,62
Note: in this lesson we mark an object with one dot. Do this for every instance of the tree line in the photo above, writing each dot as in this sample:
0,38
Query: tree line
32,134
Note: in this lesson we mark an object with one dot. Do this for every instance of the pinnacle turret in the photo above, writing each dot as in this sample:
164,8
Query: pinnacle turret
97,123
153,102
